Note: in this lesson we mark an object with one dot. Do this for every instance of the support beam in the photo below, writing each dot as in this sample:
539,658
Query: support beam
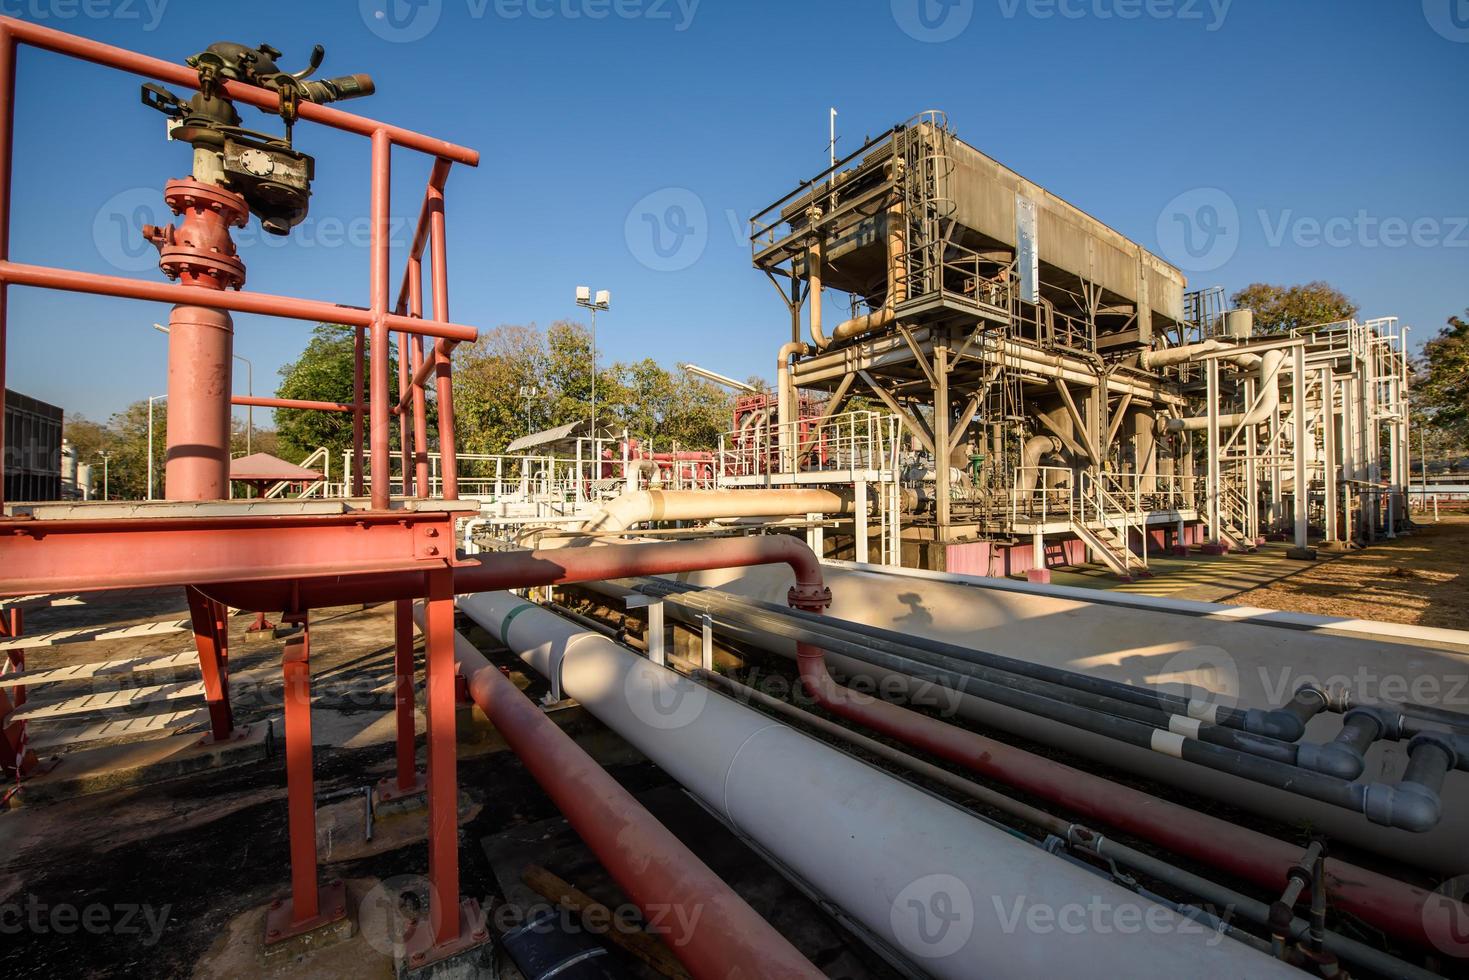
913,424
213,661
941,420
1298,417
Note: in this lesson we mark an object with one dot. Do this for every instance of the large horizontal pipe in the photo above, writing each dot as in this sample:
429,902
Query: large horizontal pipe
1267,379
1397,907
1348,949
926,877
640,506
727,938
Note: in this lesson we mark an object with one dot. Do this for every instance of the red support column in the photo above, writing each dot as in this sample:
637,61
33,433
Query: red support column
443,792
405,446
16,758
443,371
454,925
213,662
7,141
408,780
357,404
308,908
377,415
420,404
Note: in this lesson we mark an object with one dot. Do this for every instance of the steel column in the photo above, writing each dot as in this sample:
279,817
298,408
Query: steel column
1298,418
443,817
357,405
7,145
941,440
1328,452
408,780
300,780
378,386
443,368
405,445
1212,480
213,662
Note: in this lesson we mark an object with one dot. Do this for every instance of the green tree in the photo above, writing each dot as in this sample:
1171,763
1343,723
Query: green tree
1280,309
324,372
1440,386
499,388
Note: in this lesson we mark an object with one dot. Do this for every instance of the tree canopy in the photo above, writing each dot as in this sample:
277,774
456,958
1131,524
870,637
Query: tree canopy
324,372
1440,389
1281,309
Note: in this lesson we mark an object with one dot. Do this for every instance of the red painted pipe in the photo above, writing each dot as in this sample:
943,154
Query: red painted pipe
1394,906
519,569
1389,904
649,863
197,465
260,401
175,74
264,304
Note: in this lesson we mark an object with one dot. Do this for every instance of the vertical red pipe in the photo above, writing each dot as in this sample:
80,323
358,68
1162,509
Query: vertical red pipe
357,354
443,372
405,448
300,781
443,792
200,355
403,692
7,143
420,397
377,415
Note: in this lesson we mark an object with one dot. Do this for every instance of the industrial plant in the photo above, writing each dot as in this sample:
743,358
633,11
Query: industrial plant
810,700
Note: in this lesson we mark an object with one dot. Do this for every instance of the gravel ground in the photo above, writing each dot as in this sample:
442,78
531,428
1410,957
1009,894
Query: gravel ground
1419,579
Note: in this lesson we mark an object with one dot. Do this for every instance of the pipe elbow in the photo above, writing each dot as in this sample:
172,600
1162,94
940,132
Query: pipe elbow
1408,806
1333,759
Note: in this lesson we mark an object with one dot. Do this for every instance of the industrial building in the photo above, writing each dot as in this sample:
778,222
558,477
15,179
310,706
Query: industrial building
33,446
860,743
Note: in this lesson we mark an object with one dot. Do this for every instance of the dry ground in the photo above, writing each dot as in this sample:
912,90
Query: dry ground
1420,579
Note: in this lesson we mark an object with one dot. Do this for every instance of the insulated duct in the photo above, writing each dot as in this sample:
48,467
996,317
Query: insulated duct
642,506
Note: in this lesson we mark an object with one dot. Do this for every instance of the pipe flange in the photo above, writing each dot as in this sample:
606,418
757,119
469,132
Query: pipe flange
185,194
809,598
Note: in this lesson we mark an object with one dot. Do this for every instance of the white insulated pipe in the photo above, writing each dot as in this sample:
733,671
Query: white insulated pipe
786,403
1035,449
640,506
959,897
1267,376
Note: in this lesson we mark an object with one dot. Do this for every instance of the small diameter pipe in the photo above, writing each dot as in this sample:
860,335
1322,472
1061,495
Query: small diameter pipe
647,861
1078,836
1397,907
1412,805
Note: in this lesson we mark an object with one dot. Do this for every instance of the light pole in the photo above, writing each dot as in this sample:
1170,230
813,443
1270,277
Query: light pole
528,395
105,454
603,302
151,400
249,390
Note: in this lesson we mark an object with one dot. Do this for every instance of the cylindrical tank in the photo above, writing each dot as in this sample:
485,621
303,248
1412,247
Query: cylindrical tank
1239,324
84,480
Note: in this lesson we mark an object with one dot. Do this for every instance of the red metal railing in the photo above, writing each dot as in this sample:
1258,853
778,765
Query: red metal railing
376,320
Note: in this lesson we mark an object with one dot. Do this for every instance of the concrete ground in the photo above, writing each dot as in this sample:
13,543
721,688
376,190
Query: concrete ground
1206,578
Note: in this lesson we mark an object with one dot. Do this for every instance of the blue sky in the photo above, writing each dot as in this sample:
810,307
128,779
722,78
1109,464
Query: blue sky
1276,140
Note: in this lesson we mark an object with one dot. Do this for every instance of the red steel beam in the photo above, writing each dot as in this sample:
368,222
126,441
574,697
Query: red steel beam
358,350
74,555
264,304
443,787
407,772
7,141
300,780
166,71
